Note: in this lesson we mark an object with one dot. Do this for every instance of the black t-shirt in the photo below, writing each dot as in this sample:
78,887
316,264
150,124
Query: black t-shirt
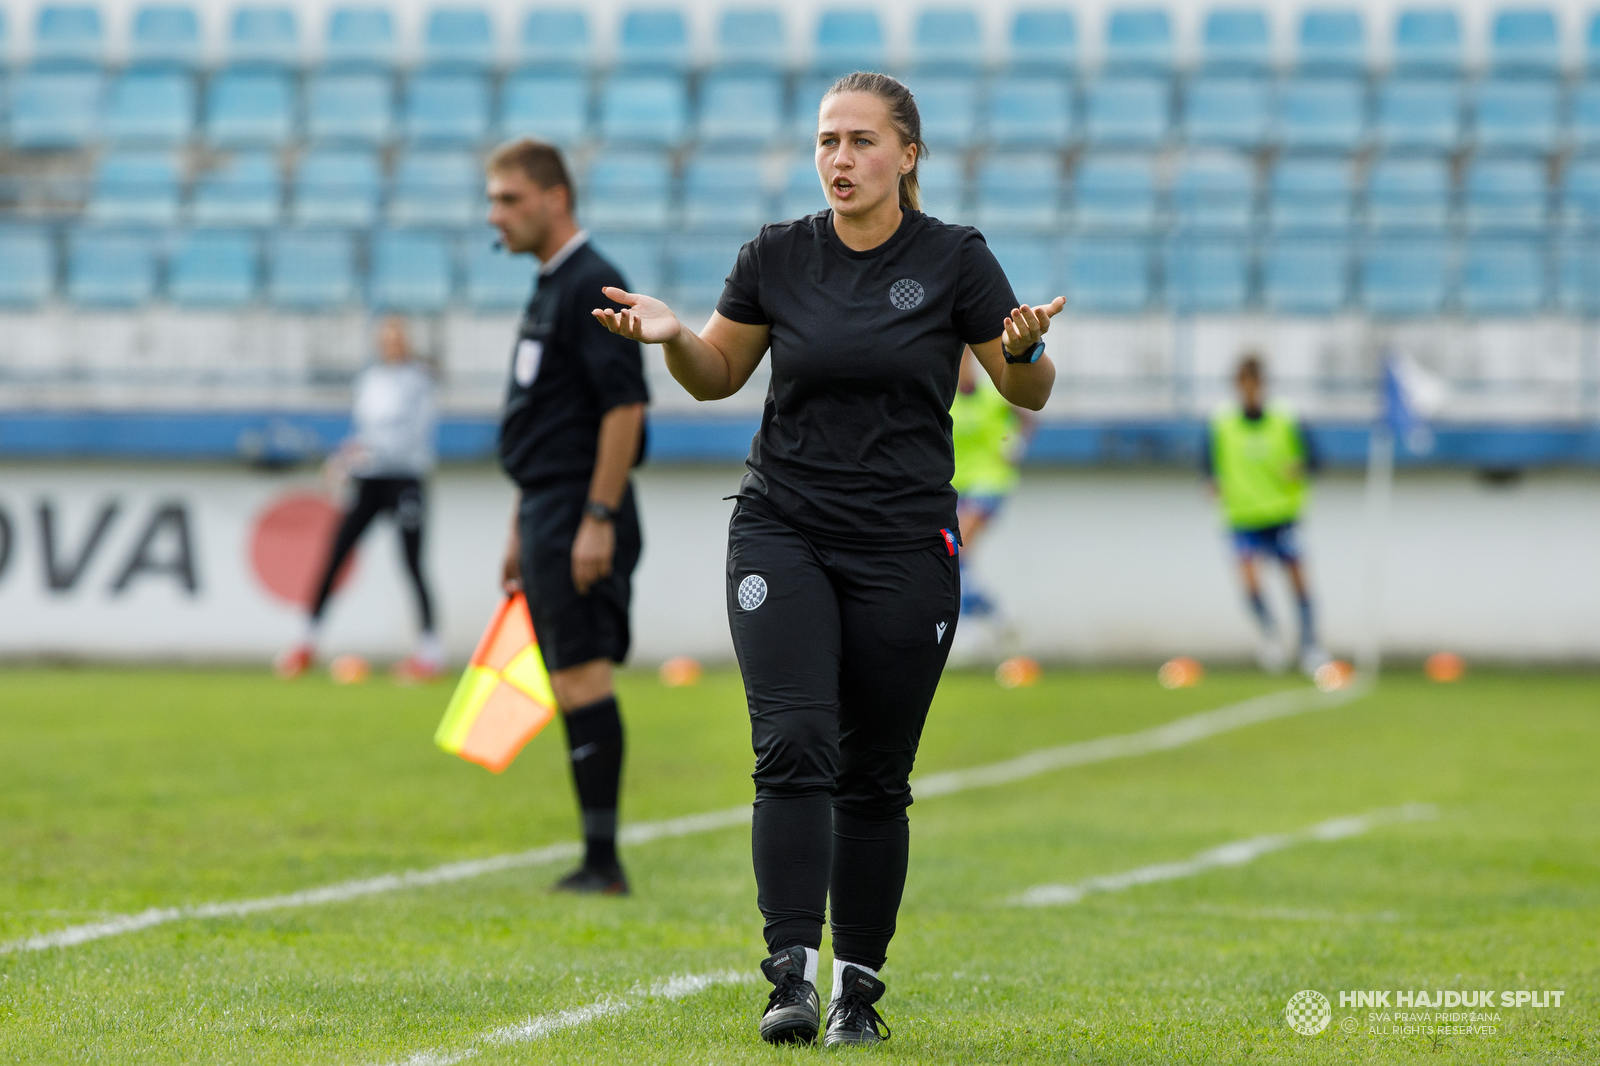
854,444
567,370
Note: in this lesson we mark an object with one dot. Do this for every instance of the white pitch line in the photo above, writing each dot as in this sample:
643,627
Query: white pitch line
1237,853
1174,734
543,1025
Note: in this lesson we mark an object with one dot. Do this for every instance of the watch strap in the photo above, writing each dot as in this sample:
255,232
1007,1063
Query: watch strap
596,509
1030,356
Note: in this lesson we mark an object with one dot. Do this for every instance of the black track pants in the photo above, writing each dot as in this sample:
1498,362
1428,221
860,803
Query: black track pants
375,496
841,651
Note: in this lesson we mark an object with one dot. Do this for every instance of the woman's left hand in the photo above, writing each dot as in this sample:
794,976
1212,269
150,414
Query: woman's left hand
1025,325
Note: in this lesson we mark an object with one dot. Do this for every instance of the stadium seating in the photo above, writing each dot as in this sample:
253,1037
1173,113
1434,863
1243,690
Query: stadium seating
644,109
1419,114
1029,263
802,190
446,108
264,36
311,270
55,109
723,190
550,106
1115,194
359,38
1311,196
1405,276
947,40
1577,275
27,267
1321,114
1305,275
1138,40
1236,40
68,35
436,188
1585,117
164,36
1230,111
639,256
556,39
1505,195
1408,194
1108,274
751,39
1214,195
1523,42
211,268
1333,43
458,39
654,39
741,108
628,189
1516,115
250,108
150,107
1502,277
1019,192
496,280
1209,273
699,266
1427,41
412,271
1030,111
943,181
353,107
1043,41
135,188
110,268
949,109
1580,197
848,39
245,191
337,187
1131,112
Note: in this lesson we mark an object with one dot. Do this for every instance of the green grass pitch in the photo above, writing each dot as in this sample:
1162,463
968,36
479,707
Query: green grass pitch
127,789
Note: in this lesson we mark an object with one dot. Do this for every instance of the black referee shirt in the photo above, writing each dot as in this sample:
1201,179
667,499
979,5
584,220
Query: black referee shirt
567,370
854,444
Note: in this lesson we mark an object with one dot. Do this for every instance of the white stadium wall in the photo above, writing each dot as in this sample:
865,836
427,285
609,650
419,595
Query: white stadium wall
1091,566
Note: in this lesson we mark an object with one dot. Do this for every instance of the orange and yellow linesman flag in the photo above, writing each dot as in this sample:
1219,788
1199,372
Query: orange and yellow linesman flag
504,696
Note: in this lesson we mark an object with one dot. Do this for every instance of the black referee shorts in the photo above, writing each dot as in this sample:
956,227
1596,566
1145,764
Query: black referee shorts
574,629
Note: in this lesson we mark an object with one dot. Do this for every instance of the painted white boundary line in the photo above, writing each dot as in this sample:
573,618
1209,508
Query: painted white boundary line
543,1025
1237,853
1174,734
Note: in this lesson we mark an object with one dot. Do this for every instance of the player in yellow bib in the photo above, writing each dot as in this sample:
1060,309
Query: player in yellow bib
1257,457
990,436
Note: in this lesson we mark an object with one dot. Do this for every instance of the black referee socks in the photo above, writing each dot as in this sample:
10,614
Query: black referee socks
594,739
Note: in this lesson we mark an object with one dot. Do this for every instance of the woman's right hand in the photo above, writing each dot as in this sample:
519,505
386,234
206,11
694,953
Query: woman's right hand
646,319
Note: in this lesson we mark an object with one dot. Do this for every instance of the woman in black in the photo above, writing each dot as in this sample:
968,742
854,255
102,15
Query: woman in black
842,579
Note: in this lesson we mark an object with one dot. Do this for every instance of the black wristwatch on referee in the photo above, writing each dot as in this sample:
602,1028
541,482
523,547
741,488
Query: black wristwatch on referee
597,510
1030,356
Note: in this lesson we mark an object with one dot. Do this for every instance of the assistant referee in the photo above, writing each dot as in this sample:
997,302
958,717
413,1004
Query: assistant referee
842,585
573,427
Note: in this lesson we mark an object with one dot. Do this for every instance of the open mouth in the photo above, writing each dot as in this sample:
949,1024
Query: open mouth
843,187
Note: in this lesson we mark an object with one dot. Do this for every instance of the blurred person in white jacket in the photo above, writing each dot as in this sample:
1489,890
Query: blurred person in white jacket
389,453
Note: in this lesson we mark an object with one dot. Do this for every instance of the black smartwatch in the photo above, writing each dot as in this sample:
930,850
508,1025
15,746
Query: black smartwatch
1030,356
596,509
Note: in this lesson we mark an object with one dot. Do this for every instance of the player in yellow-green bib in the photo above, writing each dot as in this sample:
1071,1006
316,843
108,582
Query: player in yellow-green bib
990,436
1257,457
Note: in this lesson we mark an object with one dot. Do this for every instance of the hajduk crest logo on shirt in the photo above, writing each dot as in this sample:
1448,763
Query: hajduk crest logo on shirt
905,294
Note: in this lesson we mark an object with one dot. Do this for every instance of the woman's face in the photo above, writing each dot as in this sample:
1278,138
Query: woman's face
393,345
859,155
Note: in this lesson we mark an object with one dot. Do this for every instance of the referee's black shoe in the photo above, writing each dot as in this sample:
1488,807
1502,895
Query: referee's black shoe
851,1018
794,1014
593,881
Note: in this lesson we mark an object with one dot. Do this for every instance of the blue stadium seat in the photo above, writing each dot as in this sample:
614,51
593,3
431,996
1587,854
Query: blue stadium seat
1408,194
1506,195
639,256
1427,40
265,36
1029,263
949,109
250,107
644,109
807,98
1214,194
552,106
1524,41
1305,275
1207,274
1502,277
556,38
110,268
1405,276
802,189
1230,111
412,271
165,36
247,190
68,35
947,40
1108,274
213,268
1580,195
152,106
56,109
337,187
1021,192
626,189
496,280
27,267
1322,114
437,188
743,107
135,188
351,106
1517,115
1030,111
458,38
1043,41
700,264
1333,42
1577,274
1311,196
723,190
752,38
359,38
311,270
1591,45
1585,121
848,39
1236,40
943,181
1138,40
1115,194
1132,112
1419,114
447,108
655,39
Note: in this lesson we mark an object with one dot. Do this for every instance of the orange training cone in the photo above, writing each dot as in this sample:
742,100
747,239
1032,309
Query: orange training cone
504,697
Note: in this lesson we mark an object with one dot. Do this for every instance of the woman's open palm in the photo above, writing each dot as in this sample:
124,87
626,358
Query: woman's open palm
645,318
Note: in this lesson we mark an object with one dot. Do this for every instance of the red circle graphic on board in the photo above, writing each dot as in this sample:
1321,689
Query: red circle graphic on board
289,546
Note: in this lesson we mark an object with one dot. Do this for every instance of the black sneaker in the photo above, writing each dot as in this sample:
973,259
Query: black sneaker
794,1013
852,1018
586,880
